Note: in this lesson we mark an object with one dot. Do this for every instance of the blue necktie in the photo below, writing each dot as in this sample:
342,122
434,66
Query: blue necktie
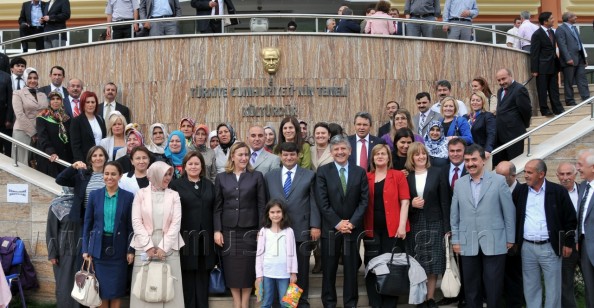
287,186
577,36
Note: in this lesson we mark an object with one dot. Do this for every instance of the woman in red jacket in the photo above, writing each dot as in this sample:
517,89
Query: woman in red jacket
386,217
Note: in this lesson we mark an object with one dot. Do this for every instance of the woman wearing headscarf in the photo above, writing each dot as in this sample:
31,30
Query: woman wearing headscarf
436,144
175,152
27,104
213,140
227,138
134,139
270,138
53,138
186,126
157,140
156,219
199,144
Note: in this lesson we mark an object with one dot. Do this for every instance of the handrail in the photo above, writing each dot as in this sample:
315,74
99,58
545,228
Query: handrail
541,126
242,16
16,144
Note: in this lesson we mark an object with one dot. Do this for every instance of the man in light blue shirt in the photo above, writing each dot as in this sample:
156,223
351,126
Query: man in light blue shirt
459,12
156,9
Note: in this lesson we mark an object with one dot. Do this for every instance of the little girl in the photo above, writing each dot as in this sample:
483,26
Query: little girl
276,261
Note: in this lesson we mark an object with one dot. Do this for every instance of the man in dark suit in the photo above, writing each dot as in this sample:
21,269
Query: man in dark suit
391,108
30,22
342,193
296,186
514,111
205,8
110,91
72,99
544,233
4,63
57,74
544,65
512,282
6,112
54,18
422,119
573,58
585,233
362,141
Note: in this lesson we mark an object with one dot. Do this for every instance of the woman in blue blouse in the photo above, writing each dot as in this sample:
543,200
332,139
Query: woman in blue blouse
453,125
106,235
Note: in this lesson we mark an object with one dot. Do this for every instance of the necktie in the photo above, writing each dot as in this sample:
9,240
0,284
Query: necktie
582,207
455,177
107,111
18,80
503,93
551,36
49,7
287,186
577,36
363,157
421,124
343,180
254,157
76,110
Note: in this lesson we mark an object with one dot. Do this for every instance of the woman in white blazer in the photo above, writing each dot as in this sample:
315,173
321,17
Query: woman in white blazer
320,153
115,140
27,104
156,219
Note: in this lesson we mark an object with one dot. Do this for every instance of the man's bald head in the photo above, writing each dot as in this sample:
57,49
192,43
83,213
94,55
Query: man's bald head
508,170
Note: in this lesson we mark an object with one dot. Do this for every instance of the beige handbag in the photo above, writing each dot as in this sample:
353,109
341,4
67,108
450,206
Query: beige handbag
154,283
86,286
450,284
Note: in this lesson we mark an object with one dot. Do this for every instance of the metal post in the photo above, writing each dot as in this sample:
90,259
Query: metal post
15,150
222,25
591,110
317,24
529,139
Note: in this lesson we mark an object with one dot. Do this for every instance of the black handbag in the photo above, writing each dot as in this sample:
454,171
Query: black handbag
217,279
395,283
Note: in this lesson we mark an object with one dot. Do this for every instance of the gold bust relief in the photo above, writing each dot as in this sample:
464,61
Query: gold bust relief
270,59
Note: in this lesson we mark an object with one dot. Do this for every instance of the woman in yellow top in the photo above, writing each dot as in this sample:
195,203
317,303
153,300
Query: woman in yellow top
290,131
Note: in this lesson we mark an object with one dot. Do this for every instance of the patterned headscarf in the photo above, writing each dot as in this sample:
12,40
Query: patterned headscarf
156,172
439,147
151,146
200,147
193,124
138,135
56,117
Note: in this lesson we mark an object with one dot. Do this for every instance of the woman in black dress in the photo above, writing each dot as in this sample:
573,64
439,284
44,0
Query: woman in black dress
53,137
239,206
197,203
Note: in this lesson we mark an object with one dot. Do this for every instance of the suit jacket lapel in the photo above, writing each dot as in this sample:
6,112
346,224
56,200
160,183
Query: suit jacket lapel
485,185
296,180
259,159
119,210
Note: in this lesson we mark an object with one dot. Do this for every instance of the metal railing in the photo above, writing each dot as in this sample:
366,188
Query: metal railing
314,17
528,135
17,144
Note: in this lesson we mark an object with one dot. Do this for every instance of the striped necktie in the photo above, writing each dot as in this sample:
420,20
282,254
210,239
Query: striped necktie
287,186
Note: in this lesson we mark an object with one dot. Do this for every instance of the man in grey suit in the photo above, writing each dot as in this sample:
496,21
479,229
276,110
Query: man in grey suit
260,159
150,9
296,186
573,58
422,119
483,228
585,234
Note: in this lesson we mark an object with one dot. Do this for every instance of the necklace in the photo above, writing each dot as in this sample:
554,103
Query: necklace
195,184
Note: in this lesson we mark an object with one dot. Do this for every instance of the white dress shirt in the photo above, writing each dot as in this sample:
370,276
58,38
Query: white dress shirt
284,174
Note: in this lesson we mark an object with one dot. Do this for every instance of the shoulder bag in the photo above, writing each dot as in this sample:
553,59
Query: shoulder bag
154,283
395,283
450,284
86,286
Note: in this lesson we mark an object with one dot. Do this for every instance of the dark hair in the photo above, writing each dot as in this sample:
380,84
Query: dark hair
395,102
33,72
347,11
483,82
58,68
443,83
17,60
363,115
322,124
284,223
423,94
334,129
281,138
369,9
404,133
288,147
293,24
383,6
516,19
141,148
83,101
188,157
93,150
469,150
541,166
115,164
544,16
455,141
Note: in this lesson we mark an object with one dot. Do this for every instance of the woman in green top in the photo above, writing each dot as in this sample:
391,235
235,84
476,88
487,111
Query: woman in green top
290,131
106,235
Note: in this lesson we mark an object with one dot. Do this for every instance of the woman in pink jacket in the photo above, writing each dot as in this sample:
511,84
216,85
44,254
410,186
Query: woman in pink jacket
156,219
381,27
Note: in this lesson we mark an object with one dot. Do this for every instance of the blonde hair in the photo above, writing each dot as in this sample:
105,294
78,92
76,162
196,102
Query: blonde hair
447,99
483,98
112,119
230,166
415,148
375,150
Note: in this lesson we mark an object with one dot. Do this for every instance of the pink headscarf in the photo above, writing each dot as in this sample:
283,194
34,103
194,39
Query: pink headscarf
156,172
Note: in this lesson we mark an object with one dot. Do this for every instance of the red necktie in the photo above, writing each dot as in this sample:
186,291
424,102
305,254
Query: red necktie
455,177
76,110
363,157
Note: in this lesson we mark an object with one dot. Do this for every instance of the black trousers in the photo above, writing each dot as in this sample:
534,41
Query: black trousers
513,283
331,252
482,270
30,30
195,286
121,32
548,83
